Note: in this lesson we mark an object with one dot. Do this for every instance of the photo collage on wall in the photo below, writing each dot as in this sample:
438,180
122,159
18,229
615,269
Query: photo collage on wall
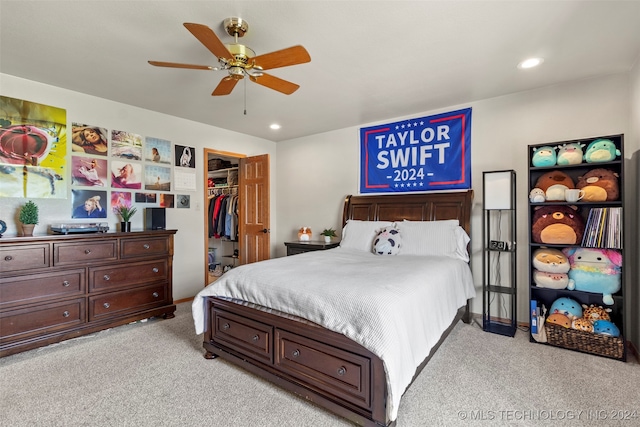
119,168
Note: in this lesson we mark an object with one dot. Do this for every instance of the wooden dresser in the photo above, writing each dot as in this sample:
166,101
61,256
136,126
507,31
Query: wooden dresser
56,287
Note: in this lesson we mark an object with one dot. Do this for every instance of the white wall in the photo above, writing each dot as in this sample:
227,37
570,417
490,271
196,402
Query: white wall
316,172
189,259
633,190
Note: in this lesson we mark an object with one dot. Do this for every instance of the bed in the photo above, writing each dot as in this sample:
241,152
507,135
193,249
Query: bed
351,346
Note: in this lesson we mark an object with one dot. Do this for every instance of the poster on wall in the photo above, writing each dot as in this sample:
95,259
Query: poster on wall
89,139
185,156
157,150
33,148
88,171
157,178
126,145
422,154
89,204
126,175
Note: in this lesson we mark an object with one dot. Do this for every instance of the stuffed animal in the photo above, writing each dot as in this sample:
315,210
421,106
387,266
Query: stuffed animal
567,306
601,150
387,242
599,185
559,319
557,225
304,234
537,196
544,156
550,268
582,324
570,154
553,183
606,327
595,270
595,312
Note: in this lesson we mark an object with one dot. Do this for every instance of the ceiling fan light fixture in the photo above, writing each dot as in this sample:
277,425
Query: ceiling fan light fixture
236,73
530,63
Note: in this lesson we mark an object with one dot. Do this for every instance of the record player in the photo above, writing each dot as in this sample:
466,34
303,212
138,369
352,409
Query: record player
93,227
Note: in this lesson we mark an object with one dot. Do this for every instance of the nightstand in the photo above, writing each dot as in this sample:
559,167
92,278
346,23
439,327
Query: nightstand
298,247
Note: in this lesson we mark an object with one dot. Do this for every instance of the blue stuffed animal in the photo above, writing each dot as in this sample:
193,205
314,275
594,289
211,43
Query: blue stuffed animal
567,306
544,156
601,150
606,327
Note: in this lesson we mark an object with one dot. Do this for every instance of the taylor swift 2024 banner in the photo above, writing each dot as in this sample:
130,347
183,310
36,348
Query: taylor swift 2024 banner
423,154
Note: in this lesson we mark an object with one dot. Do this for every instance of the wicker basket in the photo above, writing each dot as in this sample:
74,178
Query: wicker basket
587,342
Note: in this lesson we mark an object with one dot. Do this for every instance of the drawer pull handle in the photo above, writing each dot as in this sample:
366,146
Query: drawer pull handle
155,269
226,326
155,294
65,314
106,305
255,338
66,284
87,251
295,353
8,258
342,370
106,277
146,246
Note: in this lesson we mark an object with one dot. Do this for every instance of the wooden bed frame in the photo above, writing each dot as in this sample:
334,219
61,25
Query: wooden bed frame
319,365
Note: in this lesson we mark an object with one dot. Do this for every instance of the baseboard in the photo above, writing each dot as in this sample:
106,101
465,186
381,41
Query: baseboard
632,351
183,300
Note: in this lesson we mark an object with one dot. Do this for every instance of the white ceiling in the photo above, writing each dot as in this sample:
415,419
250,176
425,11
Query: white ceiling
371,61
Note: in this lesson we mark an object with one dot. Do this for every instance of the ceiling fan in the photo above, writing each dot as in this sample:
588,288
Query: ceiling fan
240,61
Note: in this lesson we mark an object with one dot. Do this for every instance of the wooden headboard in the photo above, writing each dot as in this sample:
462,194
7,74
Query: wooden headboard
412,207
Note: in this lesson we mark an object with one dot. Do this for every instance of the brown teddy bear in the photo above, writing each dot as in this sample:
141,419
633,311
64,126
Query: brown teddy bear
557,225
599,185
553,184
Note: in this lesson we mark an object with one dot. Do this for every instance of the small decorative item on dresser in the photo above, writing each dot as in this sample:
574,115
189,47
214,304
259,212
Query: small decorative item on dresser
28,217
304,234
125,212
328,234
3,227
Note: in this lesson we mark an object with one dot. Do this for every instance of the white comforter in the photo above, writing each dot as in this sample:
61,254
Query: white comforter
395,306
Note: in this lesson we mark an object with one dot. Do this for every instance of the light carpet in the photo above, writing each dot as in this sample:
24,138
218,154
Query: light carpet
154,374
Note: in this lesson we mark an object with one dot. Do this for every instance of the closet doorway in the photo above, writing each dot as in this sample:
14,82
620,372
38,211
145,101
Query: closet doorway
244,237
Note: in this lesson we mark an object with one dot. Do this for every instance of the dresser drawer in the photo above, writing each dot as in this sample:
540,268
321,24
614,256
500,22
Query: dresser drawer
76,253
137,273
128,301
35,288
16,258
36,320
345,374
245,335
148,246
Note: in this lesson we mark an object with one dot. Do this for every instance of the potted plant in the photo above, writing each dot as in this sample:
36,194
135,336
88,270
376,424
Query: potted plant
125,212
28,217
328,233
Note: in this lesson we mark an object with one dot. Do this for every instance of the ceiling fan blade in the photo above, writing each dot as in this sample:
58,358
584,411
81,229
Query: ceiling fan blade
209,39
275,83
177,65
282,58
225,86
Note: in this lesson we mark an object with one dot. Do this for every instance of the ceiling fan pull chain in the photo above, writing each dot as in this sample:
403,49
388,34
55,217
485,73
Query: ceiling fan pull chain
245,97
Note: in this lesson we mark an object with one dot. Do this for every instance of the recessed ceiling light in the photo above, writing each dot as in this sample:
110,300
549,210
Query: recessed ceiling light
275,126
530,63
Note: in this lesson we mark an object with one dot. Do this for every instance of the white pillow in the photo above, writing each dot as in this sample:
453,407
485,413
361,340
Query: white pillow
358,234
445,238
